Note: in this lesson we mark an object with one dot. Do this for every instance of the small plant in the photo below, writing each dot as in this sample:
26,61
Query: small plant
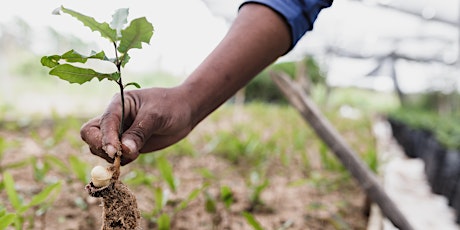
120,207
6,219
227,197
257,185
252,221
39,202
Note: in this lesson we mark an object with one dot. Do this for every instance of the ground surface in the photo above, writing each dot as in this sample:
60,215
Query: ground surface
294,198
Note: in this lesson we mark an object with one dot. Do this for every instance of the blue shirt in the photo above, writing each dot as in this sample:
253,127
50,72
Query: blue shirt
299,14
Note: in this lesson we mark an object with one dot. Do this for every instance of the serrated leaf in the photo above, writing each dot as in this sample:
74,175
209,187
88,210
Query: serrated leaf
73,56
133,84
124,59
139,30
80,75
119,19
103,28
100,55
50,61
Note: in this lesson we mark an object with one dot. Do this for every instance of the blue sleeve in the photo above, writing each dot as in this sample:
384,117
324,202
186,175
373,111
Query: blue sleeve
299,14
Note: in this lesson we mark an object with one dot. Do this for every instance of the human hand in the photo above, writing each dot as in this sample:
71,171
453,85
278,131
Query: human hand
155,118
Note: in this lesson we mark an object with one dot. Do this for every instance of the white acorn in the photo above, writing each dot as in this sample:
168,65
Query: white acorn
100,176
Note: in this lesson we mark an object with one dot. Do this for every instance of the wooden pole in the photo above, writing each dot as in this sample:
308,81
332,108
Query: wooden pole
366,179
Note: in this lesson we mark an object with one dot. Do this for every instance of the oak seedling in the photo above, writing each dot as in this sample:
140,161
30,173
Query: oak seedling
119,204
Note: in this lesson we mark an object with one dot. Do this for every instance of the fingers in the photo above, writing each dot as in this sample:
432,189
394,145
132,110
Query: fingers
109,126
127,155
149,125
102,134
91,134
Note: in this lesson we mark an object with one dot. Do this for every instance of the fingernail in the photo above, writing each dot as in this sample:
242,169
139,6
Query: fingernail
110,150
130,144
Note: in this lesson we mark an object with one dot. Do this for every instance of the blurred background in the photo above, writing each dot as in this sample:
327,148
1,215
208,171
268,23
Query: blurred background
406,46
365,61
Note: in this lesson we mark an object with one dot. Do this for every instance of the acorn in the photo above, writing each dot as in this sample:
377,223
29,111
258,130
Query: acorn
100,176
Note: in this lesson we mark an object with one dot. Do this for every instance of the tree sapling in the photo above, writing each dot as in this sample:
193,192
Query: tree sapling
119,204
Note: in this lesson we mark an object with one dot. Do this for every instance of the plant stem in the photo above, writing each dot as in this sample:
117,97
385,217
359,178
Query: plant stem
120,130
122,96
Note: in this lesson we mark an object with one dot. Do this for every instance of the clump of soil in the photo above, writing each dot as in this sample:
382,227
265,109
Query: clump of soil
120,211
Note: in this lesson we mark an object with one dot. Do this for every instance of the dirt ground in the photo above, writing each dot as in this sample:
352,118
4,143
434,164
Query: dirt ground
326,200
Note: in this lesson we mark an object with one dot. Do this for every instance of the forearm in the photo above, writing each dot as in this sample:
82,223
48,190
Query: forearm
256,39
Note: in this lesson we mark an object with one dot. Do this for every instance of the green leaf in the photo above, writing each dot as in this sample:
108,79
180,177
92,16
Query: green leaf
40,168
79,168
161,198
226,195
50,61
119,19
57,162
164,222
7,220
133,84
45,193
138,31
80,75
192,196
100,55
210,204
73,56
103,28
17,164
124,59
167,172
13,196
252,221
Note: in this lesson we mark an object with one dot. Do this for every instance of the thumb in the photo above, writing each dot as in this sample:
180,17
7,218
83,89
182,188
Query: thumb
129,152
137,134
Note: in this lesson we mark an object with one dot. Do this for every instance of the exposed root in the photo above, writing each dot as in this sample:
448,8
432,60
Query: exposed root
120,210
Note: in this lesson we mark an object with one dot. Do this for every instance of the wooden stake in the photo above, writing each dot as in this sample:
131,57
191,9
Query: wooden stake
366,179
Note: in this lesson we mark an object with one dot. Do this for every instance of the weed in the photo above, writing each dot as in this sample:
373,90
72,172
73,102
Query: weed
226,195
39,202
164,222
252,221
257,185
167,172
79,168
